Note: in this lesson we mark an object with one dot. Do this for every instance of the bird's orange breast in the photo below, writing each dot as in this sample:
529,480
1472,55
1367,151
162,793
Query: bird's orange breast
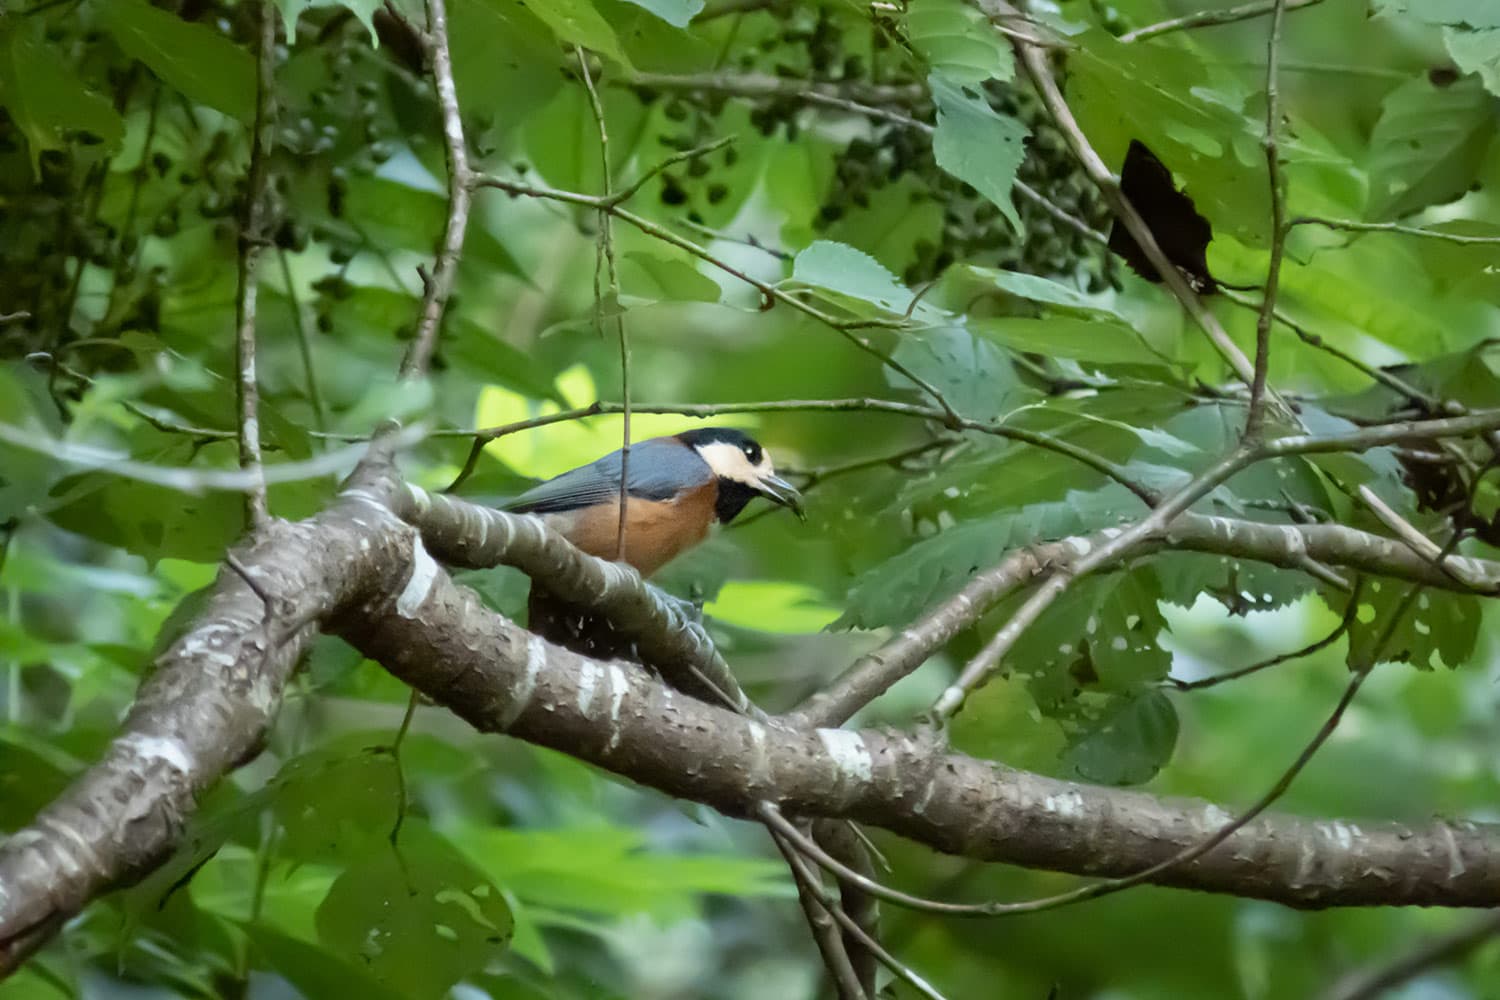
656,531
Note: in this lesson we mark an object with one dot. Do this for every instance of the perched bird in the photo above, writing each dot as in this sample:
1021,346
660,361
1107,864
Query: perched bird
675,488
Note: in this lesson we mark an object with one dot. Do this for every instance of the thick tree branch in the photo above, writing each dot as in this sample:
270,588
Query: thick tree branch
206,707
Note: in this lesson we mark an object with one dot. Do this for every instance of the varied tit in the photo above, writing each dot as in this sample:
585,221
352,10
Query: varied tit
675,487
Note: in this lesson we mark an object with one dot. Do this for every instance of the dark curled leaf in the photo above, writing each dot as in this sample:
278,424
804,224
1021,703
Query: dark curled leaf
1180,231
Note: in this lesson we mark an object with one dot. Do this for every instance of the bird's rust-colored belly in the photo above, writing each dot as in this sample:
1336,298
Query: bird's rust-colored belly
656,531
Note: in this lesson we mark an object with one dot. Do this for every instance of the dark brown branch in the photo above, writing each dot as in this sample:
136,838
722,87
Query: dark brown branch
1378,981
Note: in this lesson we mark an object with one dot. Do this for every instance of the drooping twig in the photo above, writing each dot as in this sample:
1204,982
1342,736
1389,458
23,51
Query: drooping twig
251,242
825,930
1255,415
1211,18
604,262
1351,609
438,285
1378,981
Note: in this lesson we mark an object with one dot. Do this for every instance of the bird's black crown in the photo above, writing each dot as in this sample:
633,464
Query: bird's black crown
724,435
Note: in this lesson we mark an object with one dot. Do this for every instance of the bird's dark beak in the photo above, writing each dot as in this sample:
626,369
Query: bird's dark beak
780,491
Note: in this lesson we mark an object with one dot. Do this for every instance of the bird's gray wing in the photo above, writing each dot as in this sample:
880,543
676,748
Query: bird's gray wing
660,468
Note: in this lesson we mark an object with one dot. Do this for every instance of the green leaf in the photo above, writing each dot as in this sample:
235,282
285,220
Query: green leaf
957,41
973,375
1066,337
1428,145
336,801
1132,741
897,591
675,12
658,277
315,971
1476,52
1438,627
1161,93
481,353
395,215
418,921
363,10
199,62
578,23
504,60
853,275
1458,13
976,144
1033,288
47,102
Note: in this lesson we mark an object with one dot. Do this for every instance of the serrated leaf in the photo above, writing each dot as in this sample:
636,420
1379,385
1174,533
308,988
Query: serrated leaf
897,591
194,59
976,144
1438,627
957,41
1476,52
363,10
1428,145
47,101
1129,743
974,376
852,274
418,921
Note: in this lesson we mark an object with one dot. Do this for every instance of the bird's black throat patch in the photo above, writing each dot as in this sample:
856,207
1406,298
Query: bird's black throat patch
733,495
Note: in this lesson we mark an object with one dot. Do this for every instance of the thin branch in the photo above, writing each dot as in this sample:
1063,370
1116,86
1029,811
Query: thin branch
251,242
1413,538
1035,61
1212,18
304,346
1445,949
1351,610
1255,415
604,261
629,190
438,286
191,480
1350,225
820,921
1112,470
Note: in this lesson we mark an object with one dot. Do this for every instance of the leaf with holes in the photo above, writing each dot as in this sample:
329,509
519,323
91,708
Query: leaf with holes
976,144
1132,739
1429,144
1438,627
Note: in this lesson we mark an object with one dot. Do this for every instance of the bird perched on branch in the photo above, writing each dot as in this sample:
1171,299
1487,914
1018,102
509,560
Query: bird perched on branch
676,487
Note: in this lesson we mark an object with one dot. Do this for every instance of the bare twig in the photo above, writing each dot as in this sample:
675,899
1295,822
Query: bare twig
1350,225
251,242
1255,415
438,286
1379,980
1351,609
1212,18
604,261
825,929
